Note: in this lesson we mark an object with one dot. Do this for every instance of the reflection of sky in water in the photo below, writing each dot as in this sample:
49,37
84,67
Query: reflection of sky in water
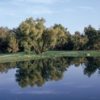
73,86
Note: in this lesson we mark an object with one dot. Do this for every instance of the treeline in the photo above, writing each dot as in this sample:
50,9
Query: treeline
33,35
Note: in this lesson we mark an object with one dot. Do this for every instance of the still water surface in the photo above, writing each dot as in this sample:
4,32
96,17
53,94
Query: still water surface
51,79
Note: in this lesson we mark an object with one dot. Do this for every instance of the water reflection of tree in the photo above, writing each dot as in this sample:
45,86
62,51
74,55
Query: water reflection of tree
77,61
91,66
38,72
4,67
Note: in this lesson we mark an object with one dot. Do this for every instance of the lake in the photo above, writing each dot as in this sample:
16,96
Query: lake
51,79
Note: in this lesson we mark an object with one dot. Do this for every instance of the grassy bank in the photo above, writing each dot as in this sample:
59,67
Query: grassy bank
48,54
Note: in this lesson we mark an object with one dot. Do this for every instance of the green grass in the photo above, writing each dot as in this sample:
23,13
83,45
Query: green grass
48,54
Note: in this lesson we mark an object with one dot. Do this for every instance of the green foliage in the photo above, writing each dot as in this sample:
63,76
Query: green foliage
79,41
33,36
4,32
29,33
54,36
12,43
93,36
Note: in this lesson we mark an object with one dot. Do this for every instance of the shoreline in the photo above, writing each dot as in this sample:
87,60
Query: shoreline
14,57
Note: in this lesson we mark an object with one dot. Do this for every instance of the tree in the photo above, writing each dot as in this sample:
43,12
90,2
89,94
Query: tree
12,43
34,36
97,41
29,34
79,41
93,36
54,37
4,32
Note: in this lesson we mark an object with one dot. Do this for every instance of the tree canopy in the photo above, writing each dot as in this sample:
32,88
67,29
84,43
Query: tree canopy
32,35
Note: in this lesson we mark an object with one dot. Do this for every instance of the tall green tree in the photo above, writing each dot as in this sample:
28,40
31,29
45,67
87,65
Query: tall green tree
79,41
93,36
29,34
12,43
34,36
54,37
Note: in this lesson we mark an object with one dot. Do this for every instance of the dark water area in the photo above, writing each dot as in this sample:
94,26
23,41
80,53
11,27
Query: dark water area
51,79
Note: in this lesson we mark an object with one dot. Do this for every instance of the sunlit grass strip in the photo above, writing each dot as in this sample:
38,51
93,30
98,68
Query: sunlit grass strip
48,54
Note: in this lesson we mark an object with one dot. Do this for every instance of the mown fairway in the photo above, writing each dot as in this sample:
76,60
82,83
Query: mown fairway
48,54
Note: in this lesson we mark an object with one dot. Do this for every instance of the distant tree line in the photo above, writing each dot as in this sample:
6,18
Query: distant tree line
33,35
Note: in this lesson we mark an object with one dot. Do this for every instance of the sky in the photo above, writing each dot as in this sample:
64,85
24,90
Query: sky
73,14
